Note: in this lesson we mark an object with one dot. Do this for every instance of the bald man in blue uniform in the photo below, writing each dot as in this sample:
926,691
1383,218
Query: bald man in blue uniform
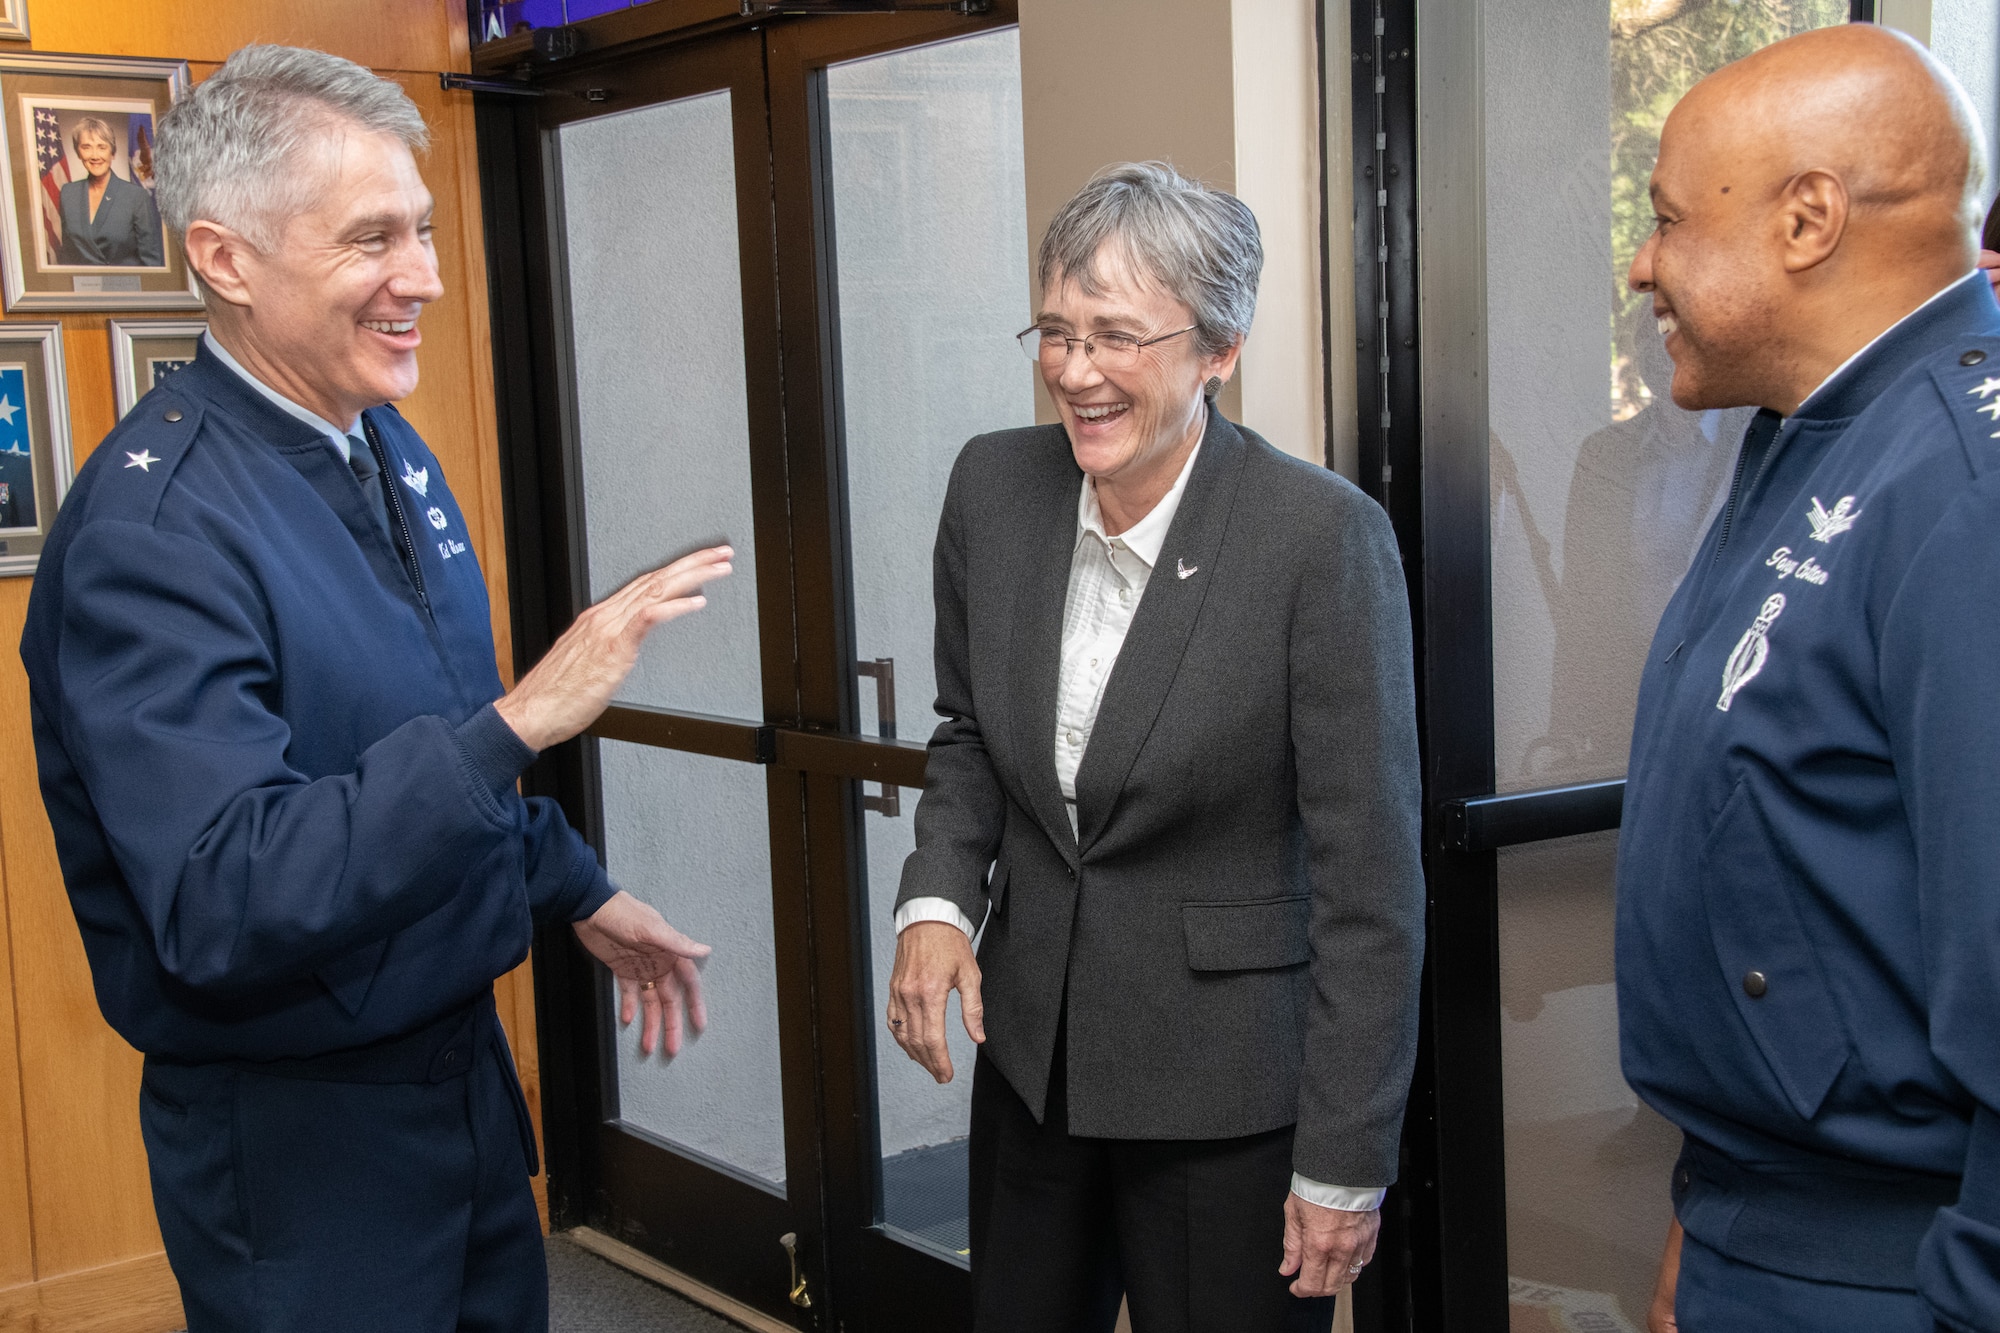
1809,875
281,769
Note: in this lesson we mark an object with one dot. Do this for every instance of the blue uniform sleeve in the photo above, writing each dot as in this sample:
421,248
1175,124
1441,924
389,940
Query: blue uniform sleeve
565,882
1940,659
246,871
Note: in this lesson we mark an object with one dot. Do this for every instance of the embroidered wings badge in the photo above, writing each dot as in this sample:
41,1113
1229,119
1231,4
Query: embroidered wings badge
417,479
1826,525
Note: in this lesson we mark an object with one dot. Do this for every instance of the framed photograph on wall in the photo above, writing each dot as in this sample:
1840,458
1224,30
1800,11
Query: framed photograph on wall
77,218
14,20
35,465
146,351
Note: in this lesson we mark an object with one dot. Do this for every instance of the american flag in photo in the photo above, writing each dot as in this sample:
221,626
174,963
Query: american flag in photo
53,163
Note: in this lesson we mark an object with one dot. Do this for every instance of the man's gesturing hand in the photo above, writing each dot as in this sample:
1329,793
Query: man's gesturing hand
1326,1247
933,958
571,686
654,964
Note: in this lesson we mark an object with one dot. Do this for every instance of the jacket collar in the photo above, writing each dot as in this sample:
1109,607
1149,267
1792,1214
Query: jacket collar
1965,307
210,381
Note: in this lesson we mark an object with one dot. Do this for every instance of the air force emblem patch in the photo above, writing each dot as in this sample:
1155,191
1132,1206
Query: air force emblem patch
1751,652
417,479
1828,525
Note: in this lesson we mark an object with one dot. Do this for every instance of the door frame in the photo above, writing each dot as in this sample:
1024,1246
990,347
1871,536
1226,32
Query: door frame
807,739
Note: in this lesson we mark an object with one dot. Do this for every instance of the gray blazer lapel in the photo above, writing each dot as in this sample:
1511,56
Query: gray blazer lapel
1158,638
1048,543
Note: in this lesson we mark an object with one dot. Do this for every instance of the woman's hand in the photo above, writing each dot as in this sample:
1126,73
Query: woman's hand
933,958
1326,1247
1660,1316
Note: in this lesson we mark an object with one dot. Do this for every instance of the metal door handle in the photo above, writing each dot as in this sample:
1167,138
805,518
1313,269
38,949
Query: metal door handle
800,1297
883,669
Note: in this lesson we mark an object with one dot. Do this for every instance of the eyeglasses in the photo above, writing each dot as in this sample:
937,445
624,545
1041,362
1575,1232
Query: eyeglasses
1109,350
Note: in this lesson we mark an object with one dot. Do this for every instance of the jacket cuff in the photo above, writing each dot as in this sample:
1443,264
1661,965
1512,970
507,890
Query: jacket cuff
497,754
933,909
1347,1198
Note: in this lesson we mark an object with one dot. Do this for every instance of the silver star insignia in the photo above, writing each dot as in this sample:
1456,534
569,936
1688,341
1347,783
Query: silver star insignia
1991,409
143,460
1988,388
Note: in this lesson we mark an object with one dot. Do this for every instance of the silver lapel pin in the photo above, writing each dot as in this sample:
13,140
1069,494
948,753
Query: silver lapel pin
1185,570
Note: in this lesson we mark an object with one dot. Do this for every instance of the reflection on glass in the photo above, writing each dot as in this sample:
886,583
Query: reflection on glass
690,835
930,223
649,204
1599,501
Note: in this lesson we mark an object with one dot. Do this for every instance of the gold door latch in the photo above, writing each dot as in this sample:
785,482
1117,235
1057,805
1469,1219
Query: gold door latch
800,1297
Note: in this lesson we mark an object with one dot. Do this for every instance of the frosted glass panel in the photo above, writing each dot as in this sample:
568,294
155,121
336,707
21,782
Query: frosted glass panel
930,222
690,835
1601,490
649,200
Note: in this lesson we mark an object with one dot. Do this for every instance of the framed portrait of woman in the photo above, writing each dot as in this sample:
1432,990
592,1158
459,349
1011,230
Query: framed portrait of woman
35,465
145,351
81,228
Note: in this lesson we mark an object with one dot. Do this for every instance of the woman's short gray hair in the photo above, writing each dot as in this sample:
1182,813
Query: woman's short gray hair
234,150
1201,245
94,126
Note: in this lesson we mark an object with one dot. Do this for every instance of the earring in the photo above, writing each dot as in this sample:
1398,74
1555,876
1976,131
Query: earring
1213,387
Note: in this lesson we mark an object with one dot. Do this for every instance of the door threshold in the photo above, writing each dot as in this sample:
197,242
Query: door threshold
646,1266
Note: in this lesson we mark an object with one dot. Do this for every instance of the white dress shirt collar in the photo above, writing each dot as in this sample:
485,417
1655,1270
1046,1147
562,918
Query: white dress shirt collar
333,433
1144,538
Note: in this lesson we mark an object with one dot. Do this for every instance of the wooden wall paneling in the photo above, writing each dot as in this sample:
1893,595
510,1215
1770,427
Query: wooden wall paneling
131,1296
381,34
17,1238
80,1083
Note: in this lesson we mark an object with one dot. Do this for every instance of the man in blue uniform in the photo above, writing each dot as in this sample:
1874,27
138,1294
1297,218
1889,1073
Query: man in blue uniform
279,764
1809,876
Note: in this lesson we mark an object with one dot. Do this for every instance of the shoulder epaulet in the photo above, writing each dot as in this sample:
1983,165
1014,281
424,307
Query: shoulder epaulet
128,474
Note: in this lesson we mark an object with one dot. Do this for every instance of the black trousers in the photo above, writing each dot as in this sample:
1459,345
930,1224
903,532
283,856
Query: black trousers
1190,1232
383,1190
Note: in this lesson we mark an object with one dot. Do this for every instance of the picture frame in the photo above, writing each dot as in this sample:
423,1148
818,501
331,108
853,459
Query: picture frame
14,20
36,465
79,229
146,351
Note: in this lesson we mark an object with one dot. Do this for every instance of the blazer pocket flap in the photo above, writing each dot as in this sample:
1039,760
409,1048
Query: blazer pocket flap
1242,936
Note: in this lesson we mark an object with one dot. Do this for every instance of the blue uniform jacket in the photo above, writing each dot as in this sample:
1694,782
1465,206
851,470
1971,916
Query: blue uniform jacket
1808,952
284,806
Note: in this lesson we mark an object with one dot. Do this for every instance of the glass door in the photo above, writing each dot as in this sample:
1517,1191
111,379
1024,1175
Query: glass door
1558,497
661,317
762,285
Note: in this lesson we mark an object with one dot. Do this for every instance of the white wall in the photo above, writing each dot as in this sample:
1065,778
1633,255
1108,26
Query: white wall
1275,60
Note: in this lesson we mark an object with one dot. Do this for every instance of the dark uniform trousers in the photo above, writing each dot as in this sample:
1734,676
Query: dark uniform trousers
383,1188
1190,1232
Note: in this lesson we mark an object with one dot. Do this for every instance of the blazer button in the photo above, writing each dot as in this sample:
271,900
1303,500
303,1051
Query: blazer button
1755,984
173,414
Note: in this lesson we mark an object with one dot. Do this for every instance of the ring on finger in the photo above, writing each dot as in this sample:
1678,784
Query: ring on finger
1357,1265
648,985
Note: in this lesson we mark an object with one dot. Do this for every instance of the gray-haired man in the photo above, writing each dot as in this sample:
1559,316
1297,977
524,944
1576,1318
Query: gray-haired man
279,764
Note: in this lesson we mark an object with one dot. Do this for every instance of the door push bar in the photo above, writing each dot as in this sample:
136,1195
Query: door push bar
1486,823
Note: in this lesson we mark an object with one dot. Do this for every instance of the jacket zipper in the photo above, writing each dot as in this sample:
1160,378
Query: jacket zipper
396,507
1736,490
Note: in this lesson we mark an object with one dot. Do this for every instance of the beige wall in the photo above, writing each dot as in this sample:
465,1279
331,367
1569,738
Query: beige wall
1226,90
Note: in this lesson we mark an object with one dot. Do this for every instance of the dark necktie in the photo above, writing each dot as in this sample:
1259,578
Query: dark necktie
362,459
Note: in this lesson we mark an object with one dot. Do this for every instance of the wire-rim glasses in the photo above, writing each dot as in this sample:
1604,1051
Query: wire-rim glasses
1109,350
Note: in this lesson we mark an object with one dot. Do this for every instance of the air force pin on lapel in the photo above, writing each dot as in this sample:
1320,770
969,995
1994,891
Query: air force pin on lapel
1184,569
417,479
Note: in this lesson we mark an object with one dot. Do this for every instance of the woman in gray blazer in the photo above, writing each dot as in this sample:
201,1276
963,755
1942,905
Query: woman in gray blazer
1176,784
106,219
